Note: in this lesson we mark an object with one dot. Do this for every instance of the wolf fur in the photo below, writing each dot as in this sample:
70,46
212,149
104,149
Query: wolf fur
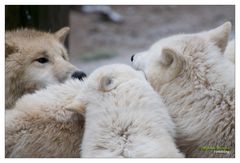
40,126
124,116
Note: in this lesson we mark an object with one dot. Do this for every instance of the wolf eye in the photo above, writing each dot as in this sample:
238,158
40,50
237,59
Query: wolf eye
42,60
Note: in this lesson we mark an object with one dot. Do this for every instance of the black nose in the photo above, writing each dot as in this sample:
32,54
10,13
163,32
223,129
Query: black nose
78,75
132,57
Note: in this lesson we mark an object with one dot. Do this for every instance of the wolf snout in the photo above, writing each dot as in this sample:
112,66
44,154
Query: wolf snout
78,75
132,58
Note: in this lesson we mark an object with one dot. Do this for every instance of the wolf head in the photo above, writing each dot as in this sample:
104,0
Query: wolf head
194,56
35,59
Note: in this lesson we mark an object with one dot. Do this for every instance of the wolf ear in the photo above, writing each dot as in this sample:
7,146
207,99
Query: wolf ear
107,84
170,57
77,106
62,33
220,35
171,64
172,60
10,49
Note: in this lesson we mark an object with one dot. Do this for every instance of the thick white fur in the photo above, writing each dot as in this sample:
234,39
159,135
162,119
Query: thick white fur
196,82
40,125
230,51
125,117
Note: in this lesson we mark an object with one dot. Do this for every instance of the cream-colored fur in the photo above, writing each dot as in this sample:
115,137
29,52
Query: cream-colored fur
196,82
124,116
40,125
23,71
230,51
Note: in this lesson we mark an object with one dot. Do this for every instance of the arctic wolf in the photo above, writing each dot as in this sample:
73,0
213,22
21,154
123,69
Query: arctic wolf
124,116
35,59
196,82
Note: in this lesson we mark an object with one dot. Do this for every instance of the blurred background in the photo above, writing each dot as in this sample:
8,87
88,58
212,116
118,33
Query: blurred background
111,34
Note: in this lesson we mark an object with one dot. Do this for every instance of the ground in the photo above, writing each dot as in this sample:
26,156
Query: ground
95,42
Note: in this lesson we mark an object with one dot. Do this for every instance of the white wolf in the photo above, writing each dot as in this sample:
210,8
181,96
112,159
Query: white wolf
196,82
124,116
35,59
